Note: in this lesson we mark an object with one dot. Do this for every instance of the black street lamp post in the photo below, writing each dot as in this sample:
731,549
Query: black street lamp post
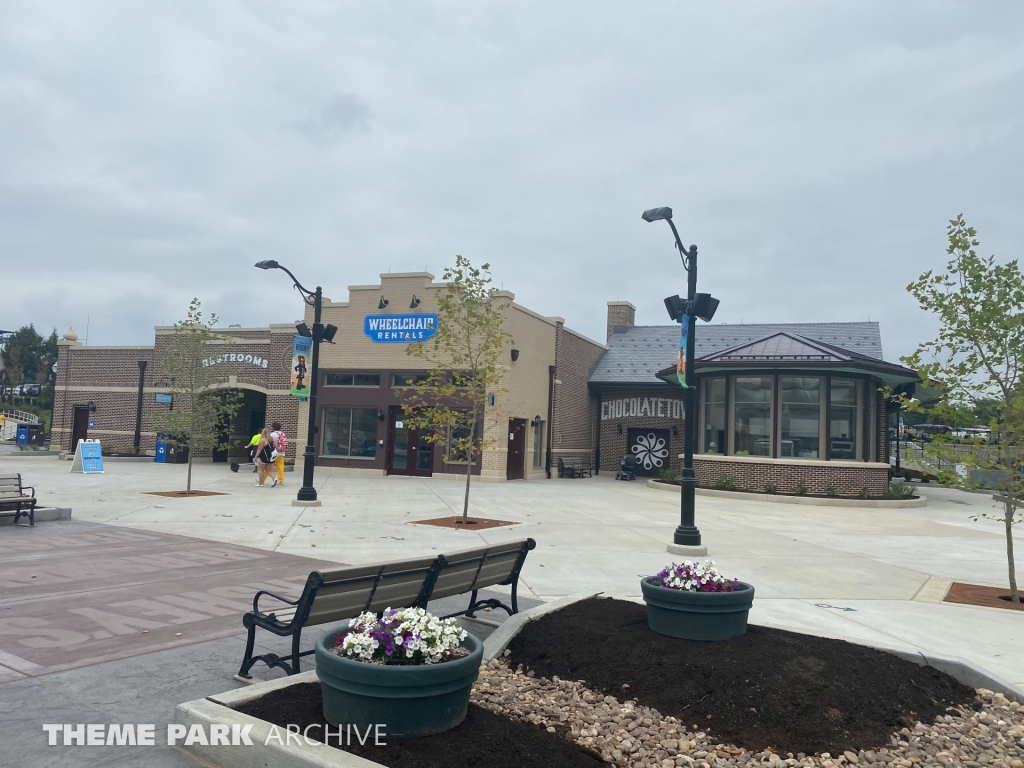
687,535
319,332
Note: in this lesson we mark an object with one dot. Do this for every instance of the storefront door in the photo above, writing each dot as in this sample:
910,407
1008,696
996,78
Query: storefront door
408,452
79,426
516,469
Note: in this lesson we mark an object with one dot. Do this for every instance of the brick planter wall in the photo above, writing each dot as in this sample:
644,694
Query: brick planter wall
754,473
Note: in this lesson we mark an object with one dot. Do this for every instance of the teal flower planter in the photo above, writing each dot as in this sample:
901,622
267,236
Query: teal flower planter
697,615
412,700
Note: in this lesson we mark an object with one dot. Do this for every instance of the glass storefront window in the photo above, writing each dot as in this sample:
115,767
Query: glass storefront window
538,444
800,406
714,416
844,417
350,432
752,415
352,380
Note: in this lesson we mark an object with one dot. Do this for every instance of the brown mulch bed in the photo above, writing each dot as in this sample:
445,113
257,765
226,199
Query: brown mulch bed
483,740
184,494
471,524
988,597
767,688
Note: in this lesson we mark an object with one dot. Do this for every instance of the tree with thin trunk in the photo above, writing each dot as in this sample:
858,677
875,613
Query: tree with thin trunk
976,361
201,411
459,404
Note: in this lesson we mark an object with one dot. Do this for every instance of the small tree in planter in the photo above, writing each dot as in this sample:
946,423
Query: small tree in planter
199,408
976,362
455,405
408,670
693,601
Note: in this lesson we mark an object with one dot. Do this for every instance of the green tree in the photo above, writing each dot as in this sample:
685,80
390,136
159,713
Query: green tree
28,356
453,406
200,409
976,364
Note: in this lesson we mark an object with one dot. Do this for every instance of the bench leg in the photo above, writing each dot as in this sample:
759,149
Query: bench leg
472,605
295,653
247,659
515,602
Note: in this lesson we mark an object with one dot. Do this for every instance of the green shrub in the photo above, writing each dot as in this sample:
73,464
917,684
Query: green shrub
771,487
831,490
669,475
901,490
865,493
801,488
726,483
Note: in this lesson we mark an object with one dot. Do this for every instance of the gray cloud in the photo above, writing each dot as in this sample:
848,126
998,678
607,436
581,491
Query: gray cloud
341,114
812,150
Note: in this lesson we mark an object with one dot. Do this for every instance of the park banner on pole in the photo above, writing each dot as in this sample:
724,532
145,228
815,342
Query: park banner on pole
681,363
88,457
300,372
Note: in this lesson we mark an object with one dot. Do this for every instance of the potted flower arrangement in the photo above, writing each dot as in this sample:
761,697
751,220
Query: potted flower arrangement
408,670
694,601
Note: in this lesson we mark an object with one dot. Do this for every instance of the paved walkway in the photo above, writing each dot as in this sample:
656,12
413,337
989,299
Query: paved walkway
861,574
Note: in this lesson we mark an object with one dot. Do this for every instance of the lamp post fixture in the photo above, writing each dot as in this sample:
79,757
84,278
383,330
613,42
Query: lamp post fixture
687,536
319,332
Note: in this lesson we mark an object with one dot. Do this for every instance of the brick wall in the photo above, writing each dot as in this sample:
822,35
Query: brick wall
753,475
574,426
109,377
656,406
619,313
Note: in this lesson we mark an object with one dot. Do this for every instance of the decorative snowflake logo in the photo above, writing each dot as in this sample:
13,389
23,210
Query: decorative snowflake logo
650,450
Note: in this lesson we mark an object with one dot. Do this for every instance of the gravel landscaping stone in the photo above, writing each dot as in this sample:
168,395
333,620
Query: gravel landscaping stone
626,733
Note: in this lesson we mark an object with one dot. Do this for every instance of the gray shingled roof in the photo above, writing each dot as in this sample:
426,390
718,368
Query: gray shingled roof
637,354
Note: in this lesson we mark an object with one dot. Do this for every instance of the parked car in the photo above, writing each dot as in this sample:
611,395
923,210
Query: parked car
32,390
928,432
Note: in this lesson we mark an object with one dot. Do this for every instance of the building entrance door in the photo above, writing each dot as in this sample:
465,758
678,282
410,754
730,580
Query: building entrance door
79,426
516,468
408,452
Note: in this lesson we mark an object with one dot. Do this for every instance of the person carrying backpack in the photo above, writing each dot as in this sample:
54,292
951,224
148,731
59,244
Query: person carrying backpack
280,447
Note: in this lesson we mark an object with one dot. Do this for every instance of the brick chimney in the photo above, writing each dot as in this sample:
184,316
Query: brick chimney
619,313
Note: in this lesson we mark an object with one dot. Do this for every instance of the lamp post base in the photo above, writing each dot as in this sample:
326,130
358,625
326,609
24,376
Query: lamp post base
687,549
301,503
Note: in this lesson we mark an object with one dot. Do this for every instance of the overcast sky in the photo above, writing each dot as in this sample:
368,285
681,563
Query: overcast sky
814,151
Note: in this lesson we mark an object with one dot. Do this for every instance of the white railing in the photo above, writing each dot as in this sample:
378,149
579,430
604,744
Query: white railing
12,418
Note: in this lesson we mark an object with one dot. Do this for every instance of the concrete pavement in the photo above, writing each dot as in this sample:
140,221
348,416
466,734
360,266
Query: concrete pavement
874,575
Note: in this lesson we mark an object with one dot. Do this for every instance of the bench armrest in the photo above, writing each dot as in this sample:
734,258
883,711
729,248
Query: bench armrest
28,488
256,600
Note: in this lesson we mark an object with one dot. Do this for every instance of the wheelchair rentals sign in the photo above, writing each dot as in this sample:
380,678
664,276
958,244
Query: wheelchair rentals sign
399,329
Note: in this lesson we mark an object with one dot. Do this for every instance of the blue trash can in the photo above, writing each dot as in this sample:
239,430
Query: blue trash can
22,436
161,451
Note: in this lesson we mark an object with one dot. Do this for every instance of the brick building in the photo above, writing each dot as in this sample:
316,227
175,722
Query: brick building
543,407
778,405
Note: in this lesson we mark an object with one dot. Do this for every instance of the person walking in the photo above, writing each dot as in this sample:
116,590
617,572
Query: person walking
252,450
264,458
281,447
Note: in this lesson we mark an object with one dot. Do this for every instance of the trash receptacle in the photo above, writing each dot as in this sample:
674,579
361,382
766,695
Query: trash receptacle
36,435
177,454
161,449
22,436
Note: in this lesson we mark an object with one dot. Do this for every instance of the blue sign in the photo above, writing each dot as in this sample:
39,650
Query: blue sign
92,457
164,398
399,329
